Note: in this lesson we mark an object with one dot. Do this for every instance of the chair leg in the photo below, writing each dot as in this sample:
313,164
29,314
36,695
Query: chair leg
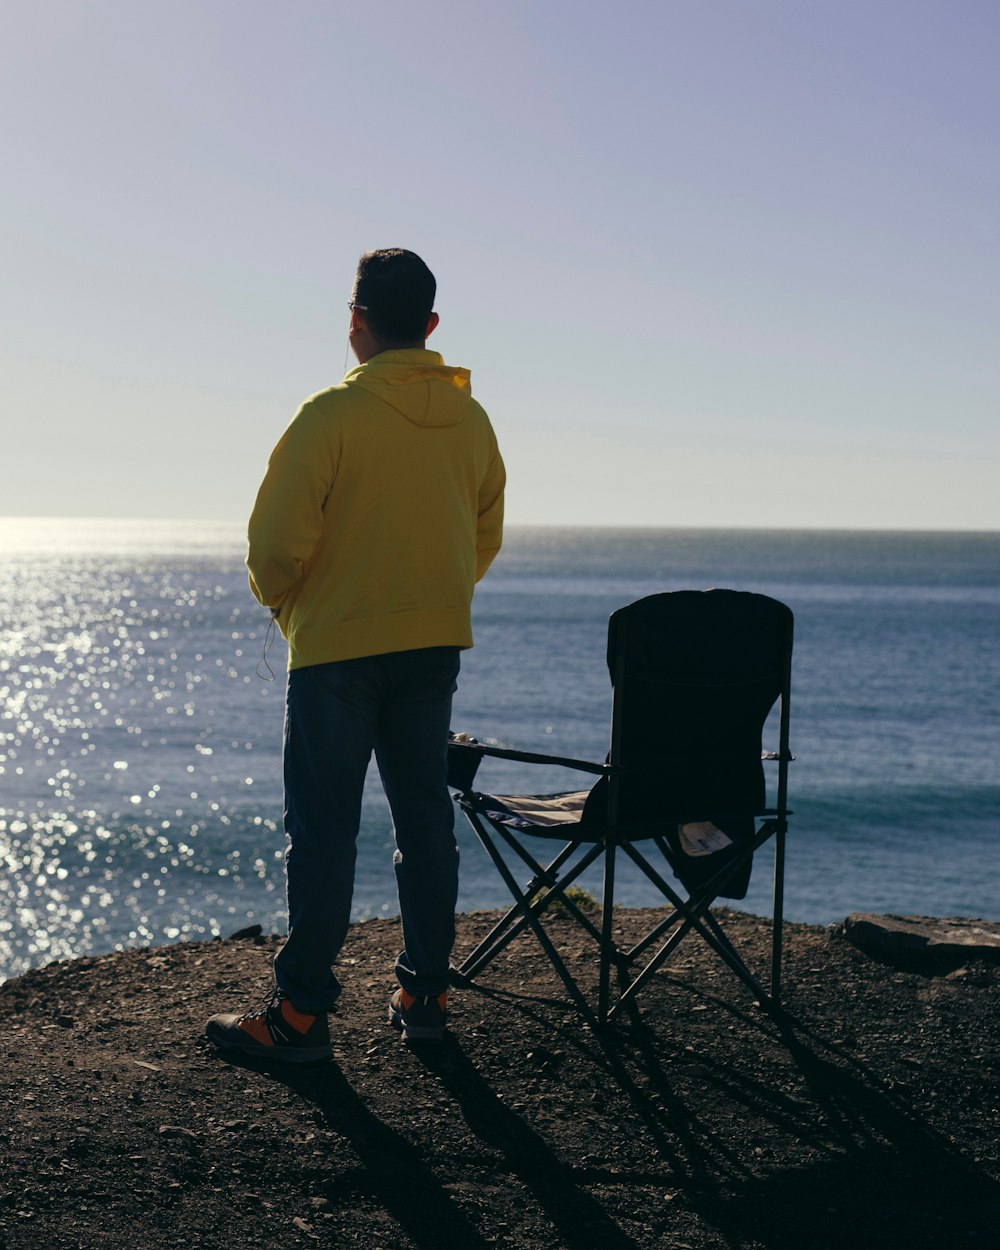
724,948
778,915
716,940
527,916
516,920
512,922
607,916
691,913
556,886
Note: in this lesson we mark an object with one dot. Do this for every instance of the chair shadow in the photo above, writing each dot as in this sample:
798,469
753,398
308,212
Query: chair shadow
878,1175
867,1166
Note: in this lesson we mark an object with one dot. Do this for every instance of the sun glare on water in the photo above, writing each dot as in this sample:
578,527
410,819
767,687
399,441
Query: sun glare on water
61,536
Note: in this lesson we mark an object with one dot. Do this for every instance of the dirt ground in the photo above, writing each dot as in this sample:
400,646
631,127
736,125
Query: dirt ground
866,1117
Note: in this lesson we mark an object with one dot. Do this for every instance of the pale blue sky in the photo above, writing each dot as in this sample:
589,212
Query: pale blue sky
709,263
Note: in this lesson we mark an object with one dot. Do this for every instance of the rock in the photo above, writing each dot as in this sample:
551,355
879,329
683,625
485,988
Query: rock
921,944
178,1131
251,931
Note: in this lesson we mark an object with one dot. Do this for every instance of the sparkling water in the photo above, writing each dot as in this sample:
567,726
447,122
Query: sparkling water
140,779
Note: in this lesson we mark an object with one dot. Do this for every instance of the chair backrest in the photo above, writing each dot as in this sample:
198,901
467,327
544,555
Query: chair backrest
695,674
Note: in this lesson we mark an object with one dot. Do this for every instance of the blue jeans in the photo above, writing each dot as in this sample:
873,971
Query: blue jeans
399,706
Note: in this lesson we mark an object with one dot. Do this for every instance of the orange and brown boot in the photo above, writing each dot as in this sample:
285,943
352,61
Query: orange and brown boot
276,1030
420,1018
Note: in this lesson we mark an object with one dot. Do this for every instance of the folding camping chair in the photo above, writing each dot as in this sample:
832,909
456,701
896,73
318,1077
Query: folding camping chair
694,676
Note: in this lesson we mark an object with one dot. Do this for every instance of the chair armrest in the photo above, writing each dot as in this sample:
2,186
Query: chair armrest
464,756
531,757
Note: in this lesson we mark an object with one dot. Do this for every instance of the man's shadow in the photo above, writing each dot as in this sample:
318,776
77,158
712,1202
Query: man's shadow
395,1172
401,1176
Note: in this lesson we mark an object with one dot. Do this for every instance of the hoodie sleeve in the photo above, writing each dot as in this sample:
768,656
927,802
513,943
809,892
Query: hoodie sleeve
489,526
287,517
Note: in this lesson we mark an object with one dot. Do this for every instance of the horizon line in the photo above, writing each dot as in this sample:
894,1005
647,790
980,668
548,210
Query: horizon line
47,518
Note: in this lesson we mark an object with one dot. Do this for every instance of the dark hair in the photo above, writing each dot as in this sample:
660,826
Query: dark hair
397,290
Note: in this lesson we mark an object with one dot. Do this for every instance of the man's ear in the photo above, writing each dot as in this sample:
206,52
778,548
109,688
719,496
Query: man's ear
432,324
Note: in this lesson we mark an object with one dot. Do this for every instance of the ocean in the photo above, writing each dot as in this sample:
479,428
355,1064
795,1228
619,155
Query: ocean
140,734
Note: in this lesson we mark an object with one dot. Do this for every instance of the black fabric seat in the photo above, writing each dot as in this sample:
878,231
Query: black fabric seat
682,794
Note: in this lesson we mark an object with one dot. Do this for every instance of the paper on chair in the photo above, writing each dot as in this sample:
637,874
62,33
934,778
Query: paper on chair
701,837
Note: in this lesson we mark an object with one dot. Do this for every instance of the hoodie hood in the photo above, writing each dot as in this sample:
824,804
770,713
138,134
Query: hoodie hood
418,384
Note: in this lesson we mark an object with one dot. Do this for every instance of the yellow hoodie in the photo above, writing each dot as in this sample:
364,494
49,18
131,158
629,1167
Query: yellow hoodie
381,508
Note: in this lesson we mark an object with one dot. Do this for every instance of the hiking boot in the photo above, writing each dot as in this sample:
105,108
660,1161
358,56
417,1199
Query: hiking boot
276,1030
422,1019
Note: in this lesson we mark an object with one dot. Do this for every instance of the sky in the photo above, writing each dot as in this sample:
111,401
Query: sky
716,263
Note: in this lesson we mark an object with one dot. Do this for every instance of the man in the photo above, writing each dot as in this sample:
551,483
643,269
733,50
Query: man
381,508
